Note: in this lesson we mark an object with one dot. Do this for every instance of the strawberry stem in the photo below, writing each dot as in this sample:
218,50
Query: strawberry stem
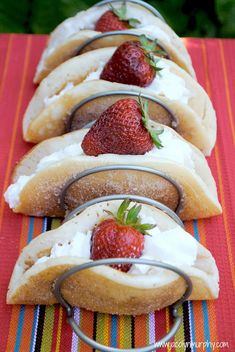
130,217
146,121
151,47
121,13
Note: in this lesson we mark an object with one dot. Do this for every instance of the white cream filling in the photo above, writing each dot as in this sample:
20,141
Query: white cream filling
174,149
165,83
174,247
49,100
12,194
79,246
88,19
95,74
153,32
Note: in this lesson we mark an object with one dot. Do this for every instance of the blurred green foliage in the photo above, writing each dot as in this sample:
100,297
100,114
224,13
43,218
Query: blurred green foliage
201,18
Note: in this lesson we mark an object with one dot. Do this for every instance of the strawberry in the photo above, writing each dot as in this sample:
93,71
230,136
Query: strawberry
110,22
122,236
122,129
115,19
133,63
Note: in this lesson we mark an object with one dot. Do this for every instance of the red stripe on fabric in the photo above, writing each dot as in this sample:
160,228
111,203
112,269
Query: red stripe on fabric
16,309
87,328
160,326
141,338
66,336
11,223
5,50
227,91
225,161
16,123
222,242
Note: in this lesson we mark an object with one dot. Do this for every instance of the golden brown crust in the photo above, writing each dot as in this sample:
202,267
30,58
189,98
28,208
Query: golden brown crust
106,289
40,196
197,120
115,299
64,39
68,49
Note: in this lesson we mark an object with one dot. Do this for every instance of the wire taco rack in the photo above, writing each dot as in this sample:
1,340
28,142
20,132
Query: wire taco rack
177,319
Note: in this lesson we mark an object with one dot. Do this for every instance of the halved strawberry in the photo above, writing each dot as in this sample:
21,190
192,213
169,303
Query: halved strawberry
120,237
133,63
115,19
122,129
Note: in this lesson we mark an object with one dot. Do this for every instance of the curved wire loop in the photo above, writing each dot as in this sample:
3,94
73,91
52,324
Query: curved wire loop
174,308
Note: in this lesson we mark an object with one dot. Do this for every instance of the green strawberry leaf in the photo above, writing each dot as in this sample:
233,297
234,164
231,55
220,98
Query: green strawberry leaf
121,13
155,137
122,210
153,61
133,22
147,44
144,228
132,215
145,119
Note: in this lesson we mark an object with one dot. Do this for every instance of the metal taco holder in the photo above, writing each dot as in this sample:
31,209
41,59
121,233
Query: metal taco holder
91,264
71,115
174,308
138,2
116,33
79,176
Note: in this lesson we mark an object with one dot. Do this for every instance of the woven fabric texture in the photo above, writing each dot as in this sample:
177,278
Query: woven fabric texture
45,328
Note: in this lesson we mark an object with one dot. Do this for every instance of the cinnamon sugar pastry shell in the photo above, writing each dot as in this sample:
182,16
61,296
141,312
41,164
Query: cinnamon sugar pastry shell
65,87
105,289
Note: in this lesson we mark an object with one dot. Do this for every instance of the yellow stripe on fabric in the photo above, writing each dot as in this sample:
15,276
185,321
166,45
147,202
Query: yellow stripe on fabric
168,326
125,331
227,91
47,329
107,329
100,325
15,124
103,329
58,333
179,337
55,223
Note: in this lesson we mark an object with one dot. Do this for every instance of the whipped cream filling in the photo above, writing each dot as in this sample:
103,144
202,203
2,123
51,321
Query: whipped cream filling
49,100
79,246
153,32
87,20
173,246
166,83
12,194
174,149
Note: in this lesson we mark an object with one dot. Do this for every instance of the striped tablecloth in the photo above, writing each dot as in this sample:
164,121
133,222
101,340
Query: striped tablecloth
207,326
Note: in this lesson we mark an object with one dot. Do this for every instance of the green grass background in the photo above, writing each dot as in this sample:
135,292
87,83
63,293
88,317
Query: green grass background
201,18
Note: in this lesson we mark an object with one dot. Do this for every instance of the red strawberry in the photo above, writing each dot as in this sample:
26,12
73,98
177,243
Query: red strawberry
110,22
120,237
132,63
115,19
122,129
